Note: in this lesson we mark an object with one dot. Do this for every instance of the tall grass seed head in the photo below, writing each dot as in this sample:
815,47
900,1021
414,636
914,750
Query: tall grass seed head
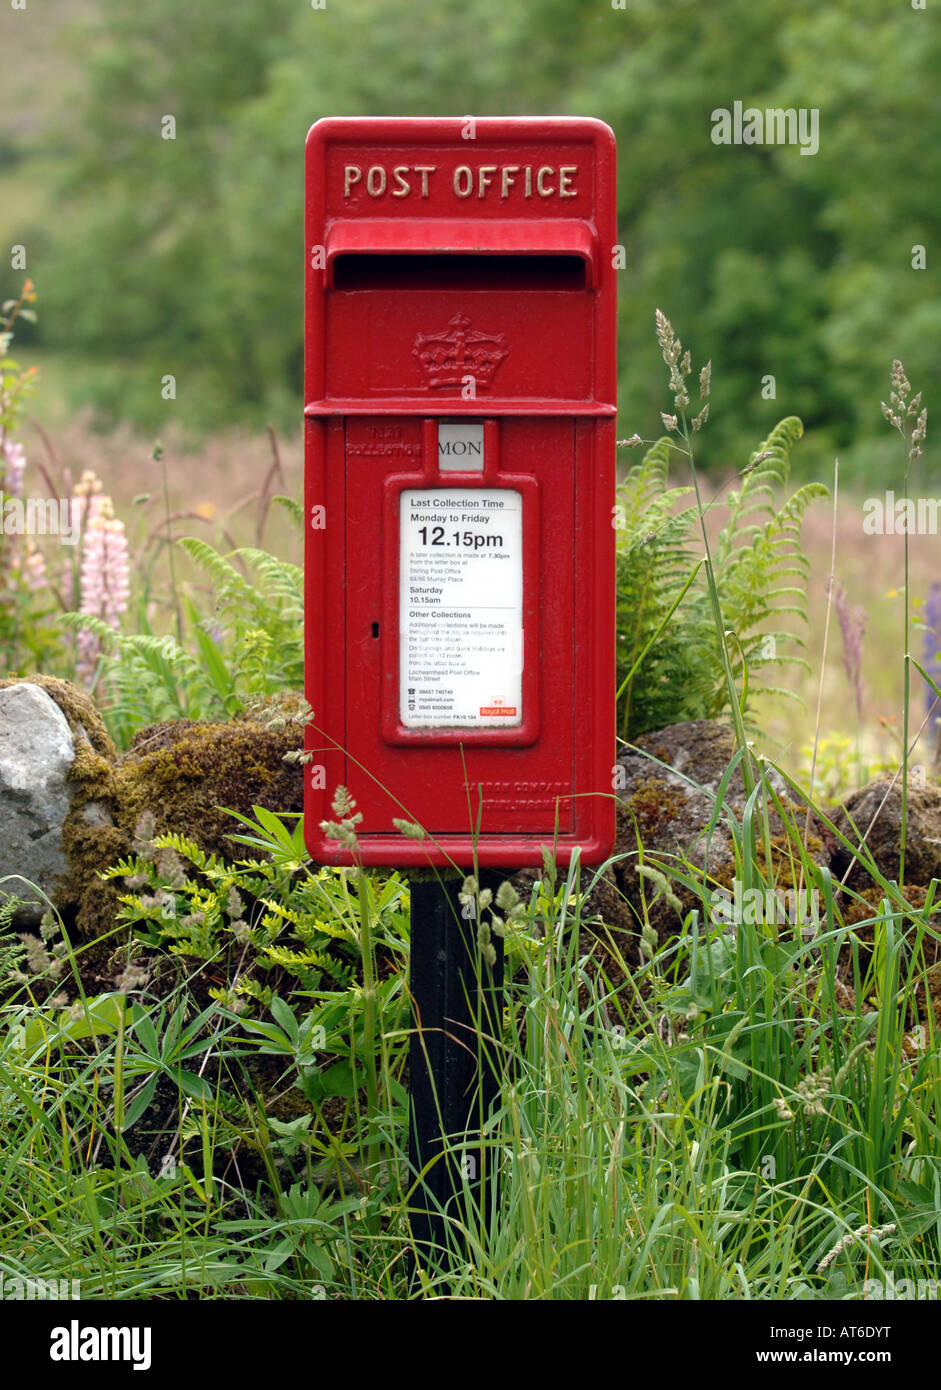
343,804
507,896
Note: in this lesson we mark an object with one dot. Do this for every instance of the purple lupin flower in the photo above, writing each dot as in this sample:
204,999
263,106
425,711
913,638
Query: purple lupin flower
932,648
14,460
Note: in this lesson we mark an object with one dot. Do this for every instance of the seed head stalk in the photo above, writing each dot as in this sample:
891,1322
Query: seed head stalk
899,412
679,424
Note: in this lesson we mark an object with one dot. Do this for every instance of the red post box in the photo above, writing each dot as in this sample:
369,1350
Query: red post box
460,403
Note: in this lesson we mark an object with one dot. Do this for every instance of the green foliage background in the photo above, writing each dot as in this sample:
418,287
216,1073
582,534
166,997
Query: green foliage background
185,256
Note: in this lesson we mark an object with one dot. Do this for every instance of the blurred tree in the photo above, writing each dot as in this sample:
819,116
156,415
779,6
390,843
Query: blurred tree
184,255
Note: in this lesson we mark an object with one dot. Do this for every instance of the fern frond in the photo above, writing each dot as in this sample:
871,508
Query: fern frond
291,505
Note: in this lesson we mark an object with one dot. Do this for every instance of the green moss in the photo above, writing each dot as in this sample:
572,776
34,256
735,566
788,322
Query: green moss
188,774
185,773
655,803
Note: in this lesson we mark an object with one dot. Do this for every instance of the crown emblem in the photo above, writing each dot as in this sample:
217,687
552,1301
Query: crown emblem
448,357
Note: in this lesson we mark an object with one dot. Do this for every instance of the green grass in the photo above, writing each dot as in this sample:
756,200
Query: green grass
744,1114
714,1129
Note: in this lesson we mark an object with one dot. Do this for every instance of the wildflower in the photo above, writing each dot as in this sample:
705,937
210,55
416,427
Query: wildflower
631,443
241,931
234,905
105,578
88,485
14,461
785,1112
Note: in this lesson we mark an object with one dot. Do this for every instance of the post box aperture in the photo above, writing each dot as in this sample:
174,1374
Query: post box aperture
460,401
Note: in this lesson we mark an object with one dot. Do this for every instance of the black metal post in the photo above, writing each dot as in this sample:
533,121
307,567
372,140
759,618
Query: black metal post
455,1069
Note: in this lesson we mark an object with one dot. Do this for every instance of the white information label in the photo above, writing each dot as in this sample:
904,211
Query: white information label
461,608
461,447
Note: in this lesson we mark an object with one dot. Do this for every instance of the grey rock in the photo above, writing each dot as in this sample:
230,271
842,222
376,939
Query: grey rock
97,815
876,813
36,752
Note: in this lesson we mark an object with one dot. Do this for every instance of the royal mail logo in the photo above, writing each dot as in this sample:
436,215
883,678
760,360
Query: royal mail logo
459,353
507,711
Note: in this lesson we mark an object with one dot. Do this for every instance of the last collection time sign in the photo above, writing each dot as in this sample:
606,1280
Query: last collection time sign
461,608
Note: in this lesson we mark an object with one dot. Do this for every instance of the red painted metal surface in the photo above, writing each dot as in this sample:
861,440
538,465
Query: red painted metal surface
460,275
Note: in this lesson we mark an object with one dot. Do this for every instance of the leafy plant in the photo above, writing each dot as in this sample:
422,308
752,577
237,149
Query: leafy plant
27,638
261,921
250,646
669,666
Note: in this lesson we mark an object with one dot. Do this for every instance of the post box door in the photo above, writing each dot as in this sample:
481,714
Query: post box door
509,778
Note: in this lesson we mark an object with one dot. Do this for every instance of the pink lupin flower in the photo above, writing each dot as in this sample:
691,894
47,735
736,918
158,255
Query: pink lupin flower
105,578
14,466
